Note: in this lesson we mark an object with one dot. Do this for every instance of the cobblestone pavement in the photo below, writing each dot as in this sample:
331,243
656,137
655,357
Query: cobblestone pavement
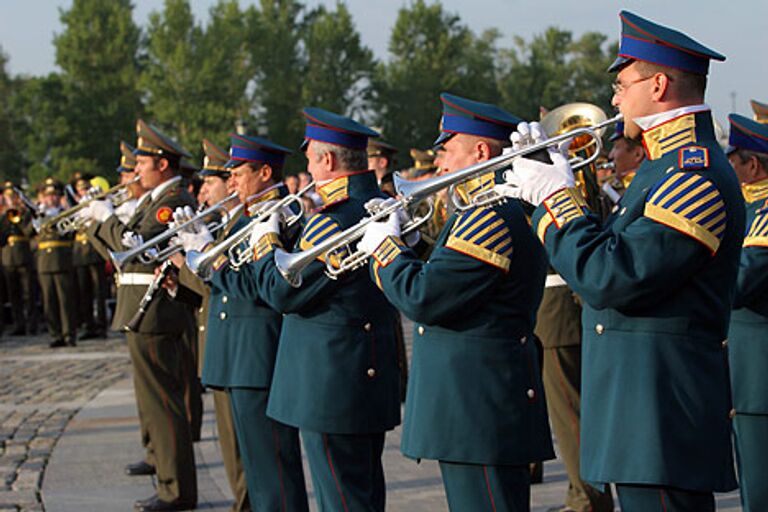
85,394
40,390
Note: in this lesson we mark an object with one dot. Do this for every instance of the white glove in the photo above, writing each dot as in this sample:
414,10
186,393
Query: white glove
261,229
377,232
184,214
100,210
412,238
194,241
131,240
531,180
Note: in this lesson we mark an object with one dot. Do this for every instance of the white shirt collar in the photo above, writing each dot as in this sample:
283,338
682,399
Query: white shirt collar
648,122
160,189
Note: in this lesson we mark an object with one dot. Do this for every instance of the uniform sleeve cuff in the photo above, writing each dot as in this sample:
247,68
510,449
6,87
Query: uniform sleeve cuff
561,208
388,250
266,244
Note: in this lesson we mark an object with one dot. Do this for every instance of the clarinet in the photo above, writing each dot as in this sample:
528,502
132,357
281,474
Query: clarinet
149,295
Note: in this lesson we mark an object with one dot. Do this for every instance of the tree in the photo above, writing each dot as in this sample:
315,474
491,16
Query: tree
9,158
169,78
338,67
431,52
97,52
553,70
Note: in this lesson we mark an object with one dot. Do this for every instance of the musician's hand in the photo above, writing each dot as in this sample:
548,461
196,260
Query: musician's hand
262,229
534,181
184,214
177,260
192,241
170,283
377,232
131,240
100,210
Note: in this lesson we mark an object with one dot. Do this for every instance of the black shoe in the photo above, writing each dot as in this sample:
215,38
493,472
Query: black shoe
155,503
57,343
70,341
139,468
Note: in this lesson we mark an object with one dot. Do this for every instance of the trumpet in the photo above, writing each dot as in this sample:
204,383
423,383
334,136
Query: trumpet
291,265
158,249
68,221
201,263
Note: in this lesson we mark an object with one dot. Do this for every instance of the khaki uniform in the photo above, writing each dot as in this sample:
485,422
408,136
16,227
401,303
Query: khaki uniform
91,281
54,268
18,268
193,290
161,358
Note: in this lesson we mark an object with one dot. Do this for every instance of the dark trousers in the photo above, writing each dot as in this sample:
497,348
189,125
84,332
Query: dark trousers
562,385
347,474
19,282
271,454
58,294
92,289
646,498
159,364
492,488
230,452
751,440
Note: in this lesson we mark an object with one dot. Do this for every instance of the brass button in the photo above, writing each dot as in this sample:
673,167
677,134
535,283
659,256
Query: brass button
224,299
371,373
200,310
732,413
523,340
48,251
599,328
201,328
223,315
420,330
367,326
531,393
725,343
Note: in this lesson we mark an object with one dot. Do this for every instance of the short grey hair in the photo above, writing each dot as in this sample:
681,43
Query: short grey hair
746,154
348,158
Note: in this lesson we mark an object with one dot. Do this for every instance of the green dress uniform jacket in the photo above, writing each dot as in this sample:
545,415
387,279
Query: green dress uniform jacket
475,393
15,240
54,252
748,336
164,315
657,280
336,370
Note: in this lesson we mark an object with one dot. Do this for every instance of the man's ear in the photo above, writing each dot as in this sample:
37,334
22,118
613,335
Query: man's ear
329,160
482,151
661,87
162,164
265,172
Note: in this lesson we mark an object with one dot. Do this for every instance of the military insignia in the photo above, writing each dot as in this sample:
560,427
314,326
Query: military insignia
670,136
692,205
266,245
475,186
388,250
562,207
219,262
483,235
757,234
319,228
692,158
164,215
334,192
755,191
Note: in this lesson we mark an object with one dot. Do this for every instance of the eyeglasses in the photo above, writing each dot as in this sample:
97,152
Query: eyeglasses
620,88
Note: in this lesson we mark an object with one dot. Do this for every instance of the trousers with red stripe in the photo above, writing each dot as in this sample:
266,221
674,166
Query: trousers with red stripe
486,488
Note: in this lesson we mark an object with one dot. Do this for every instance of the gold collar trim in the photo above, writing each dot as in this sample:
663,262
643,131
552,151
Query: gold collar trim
755,191
669,136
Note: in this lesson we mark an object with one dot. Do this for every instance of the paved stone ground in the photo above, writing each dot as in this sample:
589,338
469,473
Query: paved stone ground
68,426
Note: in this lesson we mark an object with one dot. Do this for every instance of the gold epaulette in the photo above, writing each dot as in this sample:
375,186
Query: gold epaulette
482,234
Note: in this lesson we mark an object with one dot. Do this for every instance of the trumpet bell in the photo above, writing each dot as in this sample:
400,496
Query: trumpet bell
572,116
13,215
286,263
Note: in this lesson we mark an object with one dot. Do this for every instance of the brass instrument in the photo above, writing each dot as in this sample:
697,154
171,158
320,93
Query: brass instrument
158,249
565,120
201,263
411,193
14,215
68,220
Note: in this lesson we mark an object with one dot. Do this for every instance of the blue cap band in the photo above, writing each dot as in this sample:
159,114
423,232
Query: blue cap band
242,155
741,140
641,49
459,124
323,134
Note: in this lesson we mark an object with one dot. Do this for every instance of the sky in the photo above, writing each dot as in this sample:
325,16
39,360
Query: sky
736,28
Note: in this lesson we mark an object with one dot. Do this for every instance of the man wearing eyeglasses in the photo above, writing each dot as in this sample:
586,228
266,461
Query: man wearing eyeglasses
656,281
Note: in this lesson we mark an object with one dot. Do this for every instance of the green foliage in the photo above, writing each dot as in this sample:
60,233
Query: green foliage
97,52
552,70
431,52
10,167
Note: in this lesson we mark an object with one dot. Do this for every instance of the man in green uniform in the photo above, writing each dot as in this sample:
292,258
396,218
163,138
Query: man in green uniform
191,288
54,268
381,160
161,358
748,335
91,277
475,400
16,232
656,280
243,334
336,375
626,155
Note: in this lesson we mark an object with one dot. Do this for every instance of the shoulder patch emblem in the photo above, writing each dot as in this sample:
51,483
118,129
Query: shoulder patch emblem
691,204
693,157
164,215
483,235
320,227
